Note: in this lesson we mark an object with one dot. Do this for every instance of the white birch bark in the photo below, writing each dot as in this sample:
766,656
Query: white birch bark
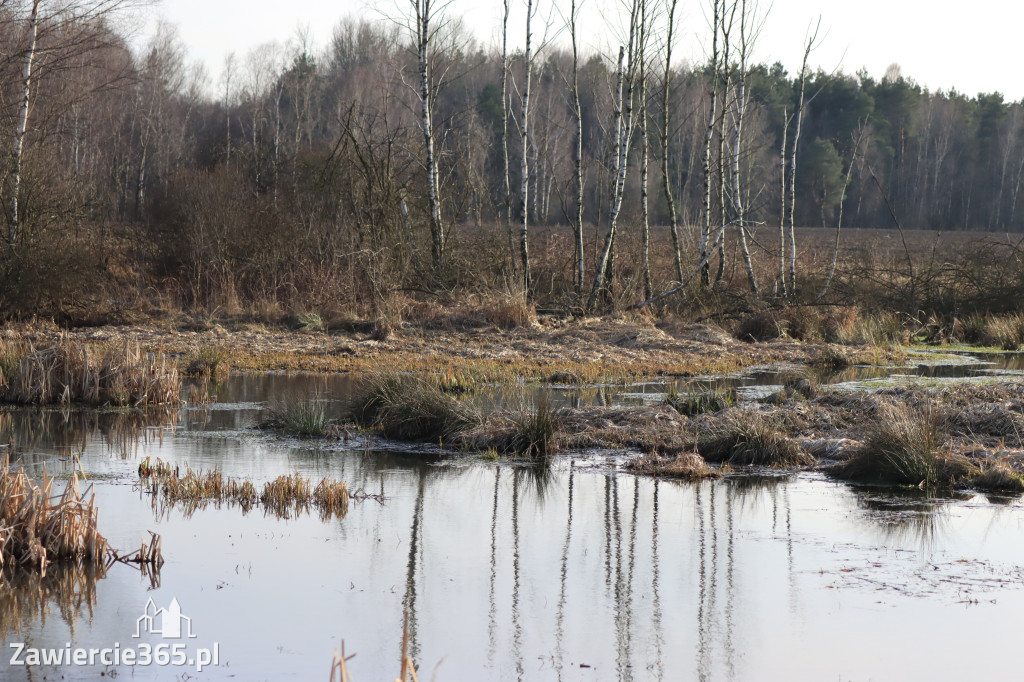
665,123
578,152
423,15
13,219
792,161
524,247
737,195
709,133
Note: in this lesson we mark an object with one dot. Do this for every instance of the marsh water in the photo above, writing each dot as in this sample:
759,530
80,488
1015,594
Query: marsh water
578,571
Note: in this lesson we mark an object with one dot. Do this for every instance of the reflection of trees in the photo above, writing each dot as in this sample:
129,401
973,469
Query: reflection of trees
68,431
28,596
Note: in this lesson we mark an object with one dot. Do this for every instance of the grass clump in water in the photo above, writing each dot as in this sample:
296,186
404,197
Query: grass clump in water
407,407
532,433
696,401
687,465
208,360
744,438
999,476
901,449
302,419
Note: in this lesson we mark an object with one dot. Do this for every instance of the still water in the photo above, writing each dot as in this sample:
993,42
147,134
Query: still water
576,572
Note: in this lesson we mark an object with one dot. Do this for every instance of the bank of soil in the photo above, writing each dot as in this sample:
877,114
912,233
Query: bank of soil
581,351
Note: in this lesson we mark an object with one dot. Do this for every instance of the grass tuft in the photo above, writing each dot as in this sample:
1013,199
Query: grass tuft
745,438
999,476
407,407
687,465
302,419
901,448
696,401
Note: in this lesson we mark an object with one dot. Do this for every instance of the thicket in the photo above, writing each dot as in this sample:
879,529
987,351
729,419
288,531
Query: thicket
297,187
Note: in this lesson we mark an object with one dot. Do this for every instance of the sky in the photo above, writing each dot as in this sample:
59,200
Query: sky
941,44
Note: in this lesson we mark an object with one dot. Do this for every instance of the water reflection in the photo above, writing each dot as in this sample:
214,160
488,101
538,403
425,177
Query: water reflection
66,432
27,597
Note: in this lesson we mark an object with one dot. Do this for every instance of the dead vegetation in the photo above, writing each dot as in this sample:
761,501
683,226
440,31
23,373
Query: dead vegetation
284,497
73,372
409,407
39,527
686,465
744,437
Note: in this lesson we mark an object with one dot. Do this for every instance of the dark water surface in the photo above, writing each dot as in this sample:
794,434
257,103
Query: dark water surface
578,572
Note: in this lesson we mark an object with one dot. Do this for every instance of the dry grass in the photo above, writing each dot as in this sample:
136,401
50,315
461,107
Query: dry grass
74,372
744,437
696,401
900,448
208,360
407,407
687,465
284,496
526,432
302,419
999,476
38,527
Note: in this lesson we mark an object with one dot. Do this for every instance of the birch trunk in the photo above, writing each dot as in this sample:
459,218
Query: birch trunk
645,260
524,247
621,148
792,163
705,233
13,219
738,204
504,134
424,14
665,122
578,114
782,203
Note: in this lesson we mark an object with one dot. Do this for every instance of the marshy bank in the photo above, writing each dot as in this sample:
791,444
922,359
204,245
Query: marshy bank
959,435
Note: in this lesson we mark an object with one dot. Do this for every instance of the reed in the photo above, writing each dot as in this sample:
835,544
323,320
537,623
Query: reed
284,496
73,372
38,527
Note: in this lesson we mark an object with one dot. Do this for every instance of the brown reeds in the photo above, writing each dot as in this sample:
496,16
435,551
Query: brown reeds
284,496
74,372
38,527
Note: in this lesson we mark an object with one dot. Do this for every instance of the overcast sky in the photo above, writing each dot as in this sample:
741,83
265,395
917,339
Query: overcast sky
973,47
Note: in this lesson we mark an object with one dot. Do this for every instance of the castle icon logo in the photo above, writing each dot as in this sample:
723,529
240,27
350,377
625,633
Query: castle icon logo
169,623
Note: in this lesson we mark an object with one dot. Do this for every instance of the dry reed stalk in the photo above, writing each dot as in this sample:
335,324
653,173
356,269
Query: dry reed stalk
70,371
40,527
282,496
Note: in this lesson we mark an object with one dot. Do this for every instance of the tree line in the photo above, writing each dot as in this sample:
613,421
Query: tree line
407,155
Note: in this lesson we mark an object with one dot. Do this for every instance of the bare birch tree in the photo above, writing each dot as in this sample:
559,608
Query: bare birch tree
799,113
748,33
709,133
666,123
426,14
577,151
504,131
524,248
21,128
622,124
